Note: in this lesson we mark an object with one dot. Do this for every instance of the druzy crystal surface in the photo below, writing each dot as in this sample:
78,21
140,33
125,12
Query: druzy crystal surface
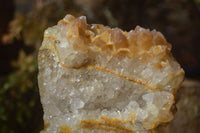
96,79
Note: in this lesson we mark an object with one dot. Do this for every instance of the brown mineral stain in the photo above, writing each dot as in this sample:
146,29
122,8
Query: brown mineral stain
115,120
113,40
108,124
114,73
140,43
98,68
50,46
133,118
137,42
65,129
125,77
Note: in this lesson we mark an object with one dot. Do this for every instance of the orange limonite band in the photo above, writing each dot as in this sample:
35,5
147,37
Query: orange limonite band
108,125
101,69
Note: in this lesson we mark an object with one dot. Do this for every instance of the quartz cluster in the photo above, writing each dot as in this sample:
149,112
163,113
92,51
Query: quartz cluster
97,79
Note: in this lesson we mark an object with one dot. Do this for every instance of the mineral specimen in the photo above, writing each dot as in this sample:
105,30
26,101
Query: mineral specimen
94,79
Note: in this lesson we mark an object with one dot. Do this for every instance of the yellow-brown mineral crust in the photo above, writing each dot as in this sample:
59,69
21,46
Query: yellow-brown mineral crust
96,79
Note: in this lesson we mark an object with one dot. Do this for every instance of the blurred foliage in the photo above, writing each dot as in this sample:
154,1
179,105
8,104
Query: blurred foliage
19,96
30,27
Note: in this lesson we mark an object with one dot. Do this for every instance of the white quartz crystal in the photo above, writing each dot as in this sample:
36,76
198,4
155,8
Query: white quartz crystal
94,79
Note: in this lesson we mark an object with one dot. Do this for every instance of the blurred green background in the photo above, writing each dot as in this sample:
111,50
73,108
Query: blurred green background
23,22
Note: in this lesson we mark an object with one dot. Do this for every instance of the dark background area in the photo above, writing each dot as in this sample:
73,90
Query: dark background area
21,30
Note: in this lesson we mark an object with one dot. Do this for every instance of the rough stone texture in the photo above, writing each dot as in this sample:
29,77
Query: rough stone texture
94,79
187,117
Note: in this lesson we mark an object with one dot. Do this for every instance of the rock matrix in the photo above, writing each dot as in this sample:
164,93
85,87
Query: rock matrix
97,79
